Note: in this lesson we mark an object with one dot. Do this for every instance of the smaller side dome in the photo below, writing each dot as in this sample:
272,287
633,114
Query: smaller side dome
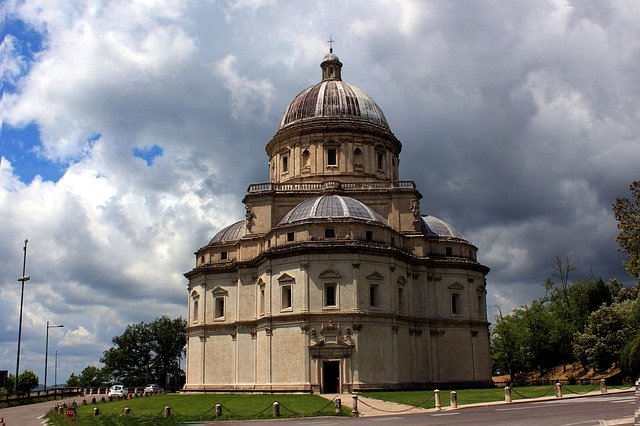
434,227
231,233
331,207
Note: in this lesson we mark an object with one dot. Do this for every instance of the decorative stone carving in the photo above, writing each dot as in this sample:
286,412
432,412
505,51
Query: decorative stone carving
269,331
304,328
253,333
394,329
414,206
248,216
356,327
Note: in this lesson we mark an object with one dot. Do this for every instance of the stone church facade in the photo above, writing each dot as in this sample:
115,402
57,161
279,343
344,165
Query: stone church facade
334,281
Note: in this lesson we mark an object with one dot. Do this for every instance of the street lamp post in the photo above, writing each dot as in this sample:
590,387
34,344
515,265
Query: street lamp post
22,279
46,353
55,372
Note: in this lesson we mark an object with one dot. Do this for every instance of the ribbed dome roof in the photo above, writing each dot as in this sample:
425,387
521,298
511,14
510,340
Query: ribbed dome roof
231,233
331,207
332,97
434,227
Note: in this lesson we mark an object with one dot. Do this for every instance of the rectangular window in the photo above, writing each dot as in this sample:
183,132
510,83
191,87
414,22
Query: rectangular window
219,307
456,304
329,233
380,161
195,311
285,163
373,296
329,295
223,255
332,157
449,251
286,297
400,299
368,235
290,237
261,301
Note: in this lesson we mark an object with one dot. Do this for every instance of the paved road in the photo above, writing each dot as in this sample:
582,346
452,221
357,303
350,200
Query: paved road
30,415
596,410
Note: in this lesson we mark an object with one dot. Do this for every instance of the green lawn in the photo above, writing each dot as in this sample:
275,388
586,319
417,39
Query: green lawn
200,407
425,398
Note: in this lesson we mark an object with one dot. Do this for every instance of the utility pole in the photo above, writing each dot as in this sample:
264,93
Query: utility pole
22,279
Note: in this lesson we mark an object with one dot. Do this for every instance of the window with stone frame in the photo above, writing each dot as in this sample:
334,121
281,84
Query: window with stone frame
374,295
332,156
223,255
290,237
261,296
285,163
286,297
481,313
380,160
456,304
195,299
400,299
218,307
330,295
329,233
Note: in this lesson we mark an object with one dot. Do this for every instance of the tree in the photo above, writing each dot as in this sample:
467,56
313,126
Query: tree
93,377
508,345
167,343
608,330
146,353
27,380
72,381
627,213
11,382
130,360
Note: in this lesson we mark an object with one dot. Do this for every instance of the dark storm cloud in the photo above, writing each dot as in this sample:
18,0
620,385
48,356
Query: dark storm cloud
518,122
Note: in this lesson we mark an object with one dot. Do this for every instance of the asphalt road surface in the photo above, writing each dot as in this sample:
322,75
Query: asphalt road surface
600,410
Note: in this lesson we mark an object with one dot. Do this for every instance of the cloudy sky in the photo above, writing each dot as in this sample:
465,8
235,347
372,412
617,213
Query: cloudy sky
132,128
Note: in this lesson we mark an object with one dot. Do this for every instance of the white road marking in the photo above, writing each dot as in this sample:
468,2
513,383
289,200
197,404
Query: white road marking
387,419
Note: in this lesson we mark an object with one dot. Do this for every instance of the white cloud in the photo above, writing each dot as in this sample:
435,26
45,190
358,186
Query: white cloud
519,124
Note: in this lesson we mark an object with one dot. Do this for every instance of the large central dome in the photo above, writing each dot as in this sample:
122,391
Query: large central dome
332,98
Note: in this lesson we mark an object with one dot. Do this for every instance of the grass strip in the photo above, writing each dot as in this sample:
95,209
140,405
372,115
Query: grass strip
425,399
198,408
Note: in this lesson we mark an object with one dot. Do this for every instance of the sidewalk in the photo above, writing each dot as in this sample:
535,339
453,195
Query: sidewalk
369,407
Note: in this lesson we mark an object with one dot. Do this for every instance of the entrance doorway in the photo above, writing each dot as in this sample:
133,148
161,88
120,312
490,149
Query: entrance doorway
330,376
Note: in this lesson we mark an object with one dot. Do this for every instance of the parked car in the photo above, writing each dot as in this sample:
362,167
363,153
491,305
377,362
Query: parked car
153,388
118,391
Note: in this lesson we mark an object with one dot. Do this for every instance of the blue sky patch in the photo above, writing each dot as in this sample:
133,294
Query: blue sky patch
19,146
149,153
27,43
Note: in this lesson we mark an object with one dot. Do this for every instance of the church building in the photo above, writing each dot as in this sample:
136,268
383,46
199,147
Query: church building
335,281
